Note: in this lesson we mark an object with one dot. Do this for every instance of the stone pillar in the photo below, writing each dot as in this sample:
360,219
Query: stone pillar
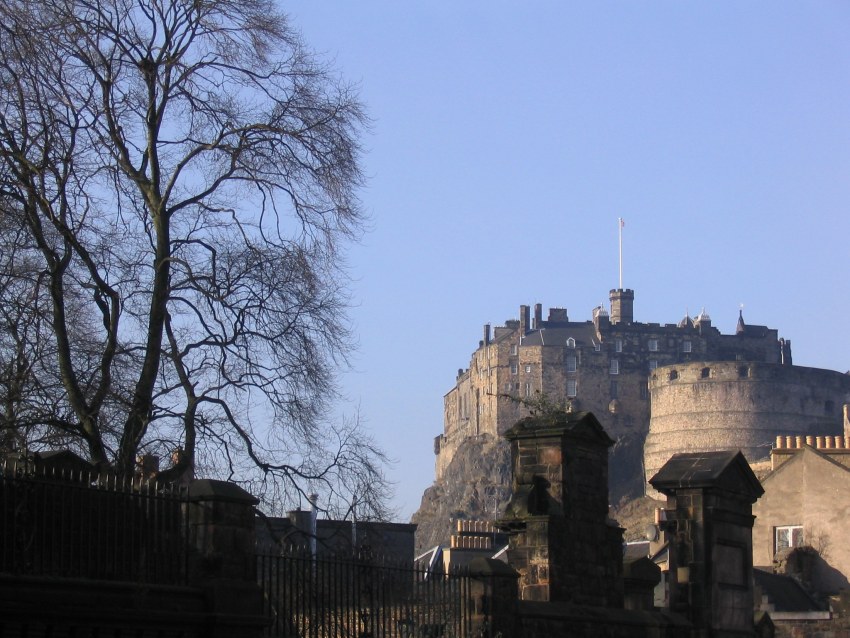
708,526
222,557
562,543
493,597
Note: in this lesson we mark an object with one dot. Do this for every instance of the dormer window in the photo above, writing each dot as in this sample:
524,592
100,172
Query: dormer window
571,343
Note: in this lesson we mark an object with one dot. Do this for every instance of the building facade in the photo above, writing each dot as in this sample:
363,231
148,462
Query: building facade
805,505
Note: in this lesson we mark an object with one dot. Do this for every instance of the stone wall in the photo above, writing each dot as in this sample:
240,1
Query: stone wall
704,406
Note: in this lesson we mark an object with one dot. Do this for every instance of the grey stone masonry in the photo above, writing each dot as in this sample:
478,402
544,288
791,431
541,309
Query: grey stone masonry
708,524
562,543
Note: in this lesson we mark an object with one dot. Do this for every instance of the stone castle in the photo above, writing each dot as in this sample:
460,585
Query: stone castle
658,389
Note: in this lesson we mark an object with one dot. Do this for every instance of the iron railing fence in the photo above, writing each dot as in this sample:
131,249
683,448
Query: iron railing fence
360,597
80,525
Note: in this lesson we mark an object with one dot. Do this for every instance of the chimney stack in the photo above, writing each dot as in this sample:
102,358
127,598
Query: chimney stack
524,320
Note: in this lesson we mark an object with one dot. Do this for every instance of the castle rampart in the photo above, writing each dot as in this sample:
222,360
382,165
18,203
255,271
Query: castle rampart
708,406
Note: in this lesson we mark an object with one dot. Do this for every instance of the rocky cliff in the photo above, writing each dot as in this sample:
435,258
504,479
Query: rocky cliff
476,484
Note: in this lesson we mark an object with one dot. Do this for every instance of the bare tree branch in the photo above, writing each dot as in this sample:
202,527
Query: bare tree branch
178,180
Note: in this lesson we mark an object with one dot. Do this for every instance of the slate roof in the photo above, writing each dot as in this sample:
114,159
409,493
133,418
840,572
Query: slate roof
783,592
583,333
727,469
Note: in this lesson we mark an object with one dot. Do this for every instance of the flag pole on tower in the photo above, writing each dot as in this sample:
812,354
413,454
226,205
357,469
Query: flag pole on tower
620,225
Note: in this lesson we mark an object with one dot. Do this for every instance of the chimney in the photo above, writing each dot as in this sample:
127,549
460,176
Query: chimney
558,314
524,312
622,305
486,334
538,316
847,419
785,352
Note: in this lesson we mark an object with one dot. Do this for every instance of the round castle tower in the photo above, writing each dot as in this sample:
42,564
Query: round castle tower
721,405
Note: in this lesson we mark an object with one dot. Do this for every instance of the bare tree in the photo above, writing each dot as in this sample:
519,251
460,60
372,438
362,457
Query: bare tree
179,178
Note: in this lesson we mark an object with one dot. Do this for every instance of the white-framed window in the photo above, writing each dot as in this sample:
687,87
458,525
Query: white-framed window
571,343
614,366
572,363
653,364
652,344
787,536
513,348
618,345
572,386
528,389
514,368
508,386
596,345
528,369
686,346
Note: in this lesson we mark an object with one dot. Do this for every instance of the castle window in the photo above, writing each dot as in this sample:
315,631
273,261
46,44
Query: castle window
653,364
571,363
571,343
508,386
614,389
674,374
618,345
596,345
514,368
513,348
614,366
653,345
787,536
571,388
644,391
704,373
528,389
528,369
686,346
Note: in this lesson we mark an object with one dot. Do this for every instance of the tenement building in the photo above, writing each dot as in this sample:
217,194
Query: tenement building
611,365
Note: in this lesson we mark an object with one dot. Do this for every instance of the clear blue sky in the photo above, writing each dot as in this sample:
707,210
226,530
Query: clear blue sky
509,137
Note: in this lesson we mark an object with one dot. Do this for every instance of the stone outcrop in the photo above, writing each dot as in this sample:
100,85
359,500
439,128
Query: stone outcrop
475,485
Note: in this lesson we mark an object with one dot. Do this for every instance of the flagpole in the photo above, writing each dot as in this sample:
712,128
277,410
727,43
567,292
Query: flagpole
620,228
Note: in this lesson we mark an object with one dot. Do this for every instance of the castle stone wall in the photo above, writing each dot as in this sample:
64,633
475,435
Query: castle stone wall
708,406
